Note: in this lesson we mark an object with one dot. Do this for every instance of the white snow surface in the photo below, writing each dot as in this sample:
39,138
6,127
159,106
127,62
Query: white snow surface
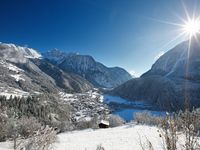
127,137
10,66
17,77
120,138
6,145
28,52
31,53
14,68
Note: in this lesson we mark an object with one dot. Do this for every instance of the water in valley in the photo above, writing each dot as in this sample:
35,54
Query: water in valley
126,108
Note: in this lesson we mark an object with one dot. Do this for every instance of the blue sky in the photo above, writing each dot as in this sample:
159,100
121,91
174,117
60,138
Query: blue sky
125,33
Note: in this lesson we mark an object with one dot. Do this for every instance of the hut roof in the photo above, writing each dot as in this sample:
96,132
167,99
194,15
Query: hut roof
104,122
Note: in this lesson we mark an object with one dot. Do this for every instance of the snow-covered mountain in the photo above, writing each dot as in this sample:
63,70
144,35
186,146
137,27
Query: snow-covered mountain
84,65
182,61
173,80
23,72
67,95
17,54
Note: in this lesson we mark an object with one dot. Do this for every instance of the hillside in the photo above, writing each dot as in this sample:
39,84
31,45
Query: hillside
23,69
30,86
172,81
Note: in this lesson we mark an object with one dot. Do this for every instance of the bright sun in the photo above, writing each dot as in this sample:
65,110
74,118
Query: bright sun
192,27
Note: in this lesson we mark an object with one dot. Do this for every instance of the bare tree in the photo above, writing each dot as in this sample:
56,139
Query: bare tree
41,140
184,122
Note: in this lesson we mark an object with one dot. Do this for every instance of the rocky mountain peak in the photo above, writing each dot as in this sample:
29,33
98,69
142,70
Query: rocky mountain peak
17,54
87,67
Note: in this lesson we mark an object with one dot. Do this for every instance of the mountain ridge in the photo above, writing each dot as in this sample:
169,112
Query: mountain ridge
21,69
86,66
172,81
26,70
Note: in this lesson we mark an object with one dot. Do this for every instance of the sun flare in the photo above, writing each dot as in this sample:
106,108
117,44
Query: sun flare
192,27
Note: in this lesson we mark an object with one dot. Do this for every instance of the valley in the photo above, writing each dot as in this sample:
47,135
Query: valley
126,108
70,95
100,75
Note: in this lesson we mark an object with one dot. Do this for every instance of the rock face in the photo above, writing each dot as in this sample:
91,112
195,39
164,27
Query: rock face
84,65
173,80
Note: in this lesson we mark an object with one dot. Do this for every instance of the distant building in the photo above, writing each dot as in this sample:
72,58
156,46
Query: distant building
104,124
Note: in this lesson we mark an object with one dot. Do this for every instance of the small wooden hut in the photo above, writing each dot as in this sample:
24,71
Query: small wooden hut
104,124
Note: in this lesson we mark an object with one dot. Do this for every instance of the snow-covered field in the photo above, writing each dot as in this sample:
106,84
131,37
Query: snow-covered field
127,137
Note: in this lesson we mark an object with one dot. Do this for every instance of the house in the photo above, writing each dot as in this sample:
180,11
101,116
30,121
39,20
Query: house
104,124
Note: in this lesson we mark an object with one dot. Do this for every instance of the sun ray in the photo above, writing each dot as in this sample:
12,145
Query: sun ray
180,18
185,10
173,40
194,10
165,22
189,27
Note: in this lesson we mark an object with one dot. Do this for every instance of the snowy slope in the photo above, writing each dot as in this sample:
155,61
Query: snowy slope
121,138
127,137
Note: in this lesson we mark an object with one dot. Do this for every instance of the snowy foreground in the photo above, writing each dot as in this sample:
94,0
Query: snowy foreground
120,138
127,137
